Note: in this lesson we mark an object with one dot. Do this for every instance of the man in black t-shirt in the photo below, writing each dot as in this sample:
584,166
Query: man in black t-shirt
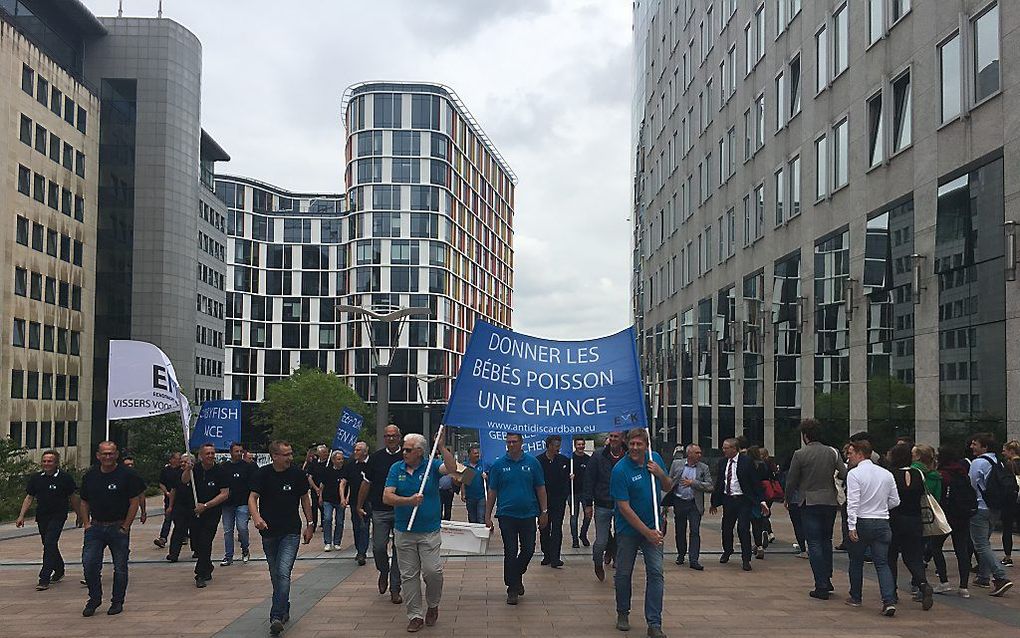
54,490
556,469
109,502
203,517
277,491
235,510
376,471
580,465
169,477
350,486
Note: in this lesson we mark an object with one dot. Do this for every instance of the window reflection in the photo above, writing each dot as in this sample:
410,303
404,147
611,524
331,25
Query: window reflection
786,293
725,329
832,335
752,341
705,346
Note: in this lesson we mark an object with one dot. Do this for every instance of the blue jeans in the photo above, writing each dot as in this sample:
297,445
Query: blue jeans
981,536
873,534
684,513
97,538
476,510
281,552
382,528
235,516
332,535
52,561
360,525
626,554
603,531
818,521
518,547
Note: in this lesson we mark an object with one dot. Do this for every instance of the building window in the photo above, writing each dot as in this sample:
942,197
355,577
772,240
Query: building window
841,39
899,9
26,130
781,95
986,53
876,146
27,79
779,185
759,211
876,27
759,120
24,181
821,168
42,90
794,192
387,110
840,155
950,77
901,112
821,60
794,83
759,33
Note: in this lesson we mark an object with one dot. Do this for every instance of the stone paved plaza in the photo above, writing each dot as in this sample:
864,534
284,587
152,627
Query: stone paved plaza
332,596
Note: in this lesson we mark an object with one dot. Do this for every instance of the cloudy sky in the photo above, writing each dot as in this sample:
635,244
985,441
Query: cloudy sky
548,80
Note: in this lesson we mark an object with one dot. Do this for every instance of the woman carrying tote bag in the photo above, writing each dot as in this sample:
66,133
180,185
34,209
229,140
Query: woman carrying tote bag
905,521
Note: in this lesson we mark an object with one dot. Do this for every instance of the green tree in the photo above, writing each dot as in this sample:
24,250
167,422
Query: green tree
14,465
304,409
151,440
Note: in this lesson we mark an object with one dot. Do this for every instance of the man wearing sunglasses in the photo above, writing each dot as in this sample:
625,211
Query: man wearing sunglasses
417,546
371,490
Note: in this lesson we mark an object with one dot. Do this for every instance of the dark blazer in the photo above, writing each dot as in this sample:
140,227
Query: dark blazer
747,476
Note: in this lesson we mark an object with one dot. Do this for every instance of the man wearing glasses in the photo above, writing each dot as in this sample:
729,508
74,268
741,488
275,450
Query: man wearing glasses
376,471
418,545
276,491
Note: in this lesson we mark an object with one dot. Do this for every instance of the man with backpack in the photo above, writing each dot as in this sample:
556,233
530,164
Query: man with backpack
987,476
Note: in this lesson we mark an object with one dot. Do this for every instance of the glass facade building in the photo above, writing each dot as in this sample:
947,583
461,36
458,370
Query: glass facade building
824,220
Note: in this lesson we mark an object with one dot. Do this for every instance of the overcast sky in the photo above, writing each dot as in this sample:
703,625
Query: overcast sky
548,80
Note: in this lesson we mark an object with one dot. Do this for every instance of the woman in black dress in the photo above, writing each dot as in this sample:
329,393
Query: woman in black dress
905,520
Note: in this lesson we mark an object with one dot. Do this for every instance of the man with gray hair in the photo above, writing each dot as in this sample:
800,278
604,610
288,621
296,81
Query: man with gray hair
413,485
691,481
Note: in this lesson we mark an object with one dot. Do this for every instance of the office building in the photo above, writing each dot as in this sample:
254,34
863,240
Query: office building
824,218
49,156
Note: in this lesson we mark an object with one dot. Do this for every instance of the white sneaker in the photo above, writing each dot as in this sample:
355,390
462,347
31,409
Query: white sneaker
796,547
963,593
327,548
943,588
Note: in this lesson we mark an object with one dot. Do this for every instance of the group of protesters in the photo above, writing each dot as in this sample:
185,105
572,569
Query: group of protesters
623,490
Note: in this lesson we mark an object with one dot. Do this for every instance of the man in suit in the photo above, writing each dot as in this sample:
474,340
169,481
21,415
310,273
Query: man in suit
811,476
691,481
737,491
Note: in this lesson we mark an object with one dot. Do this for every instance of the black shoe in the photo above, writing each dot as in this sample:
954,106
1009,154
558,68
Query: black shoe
42,586
361,559
546,561
623,622
511,598
679,560
820,595
830,588
725,558
57,577
698,567
200,582
575,545
759,553
171,558
926,597
90,609
275,627
746,566
115,608
585,542
520,590
384,582
556,564
194,554
889,610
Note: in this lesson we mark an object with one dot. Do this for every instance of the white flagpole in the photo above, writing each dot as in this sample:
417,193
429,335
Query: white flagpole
655,492
425,479
186,426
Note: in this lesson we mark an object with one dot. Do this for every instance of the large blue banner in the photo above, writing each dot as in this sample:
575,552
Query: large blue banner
492,444
347,432
510,382
219,423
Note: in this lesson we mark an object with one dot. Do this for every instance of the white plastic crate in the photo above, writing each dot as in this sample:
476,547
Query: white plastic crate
465,538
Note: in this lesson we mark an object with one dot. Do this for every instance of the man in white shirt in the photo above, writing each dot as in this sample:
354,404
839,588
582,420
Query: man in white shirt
870,494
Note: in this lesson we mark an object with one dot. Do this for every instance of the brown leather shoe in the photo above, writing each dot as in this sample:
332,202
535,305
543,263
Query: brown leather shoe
415,625
600,572
431,616
384,583
395,598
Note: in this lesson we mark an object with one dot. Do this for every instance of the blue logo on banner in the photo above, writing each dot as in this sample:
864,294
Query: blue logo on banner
219,423
347,432
509,382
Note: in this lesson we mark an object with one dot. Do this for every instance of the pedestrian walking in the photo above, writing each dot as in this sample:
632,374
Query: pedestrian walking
578,514
473,493
761,527
318,459
447,491
371,490
691,481
235,514
143,515
597,501
517,484
737,491
959,502
53,491
905,521
350,486
332,506
418,545
633,482
556,470
991,575
109,502
212,490
278,492
169,476
1010,513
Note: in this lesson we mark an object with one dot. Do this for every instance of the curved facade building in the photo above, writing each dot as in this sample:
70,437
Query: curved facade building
430,223
286,266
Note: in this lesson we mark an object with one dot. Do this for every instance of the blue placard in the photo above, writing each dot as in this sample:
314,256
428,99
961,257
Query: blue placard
219,423
509,382
347,431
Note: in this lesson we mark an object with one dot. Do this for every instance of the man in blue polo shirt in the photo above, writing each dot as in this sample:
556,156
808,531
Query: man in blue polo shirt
417,546
517,480
474,493
631,490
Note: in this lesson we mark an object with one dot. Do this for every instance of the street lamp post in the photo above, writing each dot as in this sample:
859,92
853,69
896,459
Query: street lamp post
383,354
426,403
